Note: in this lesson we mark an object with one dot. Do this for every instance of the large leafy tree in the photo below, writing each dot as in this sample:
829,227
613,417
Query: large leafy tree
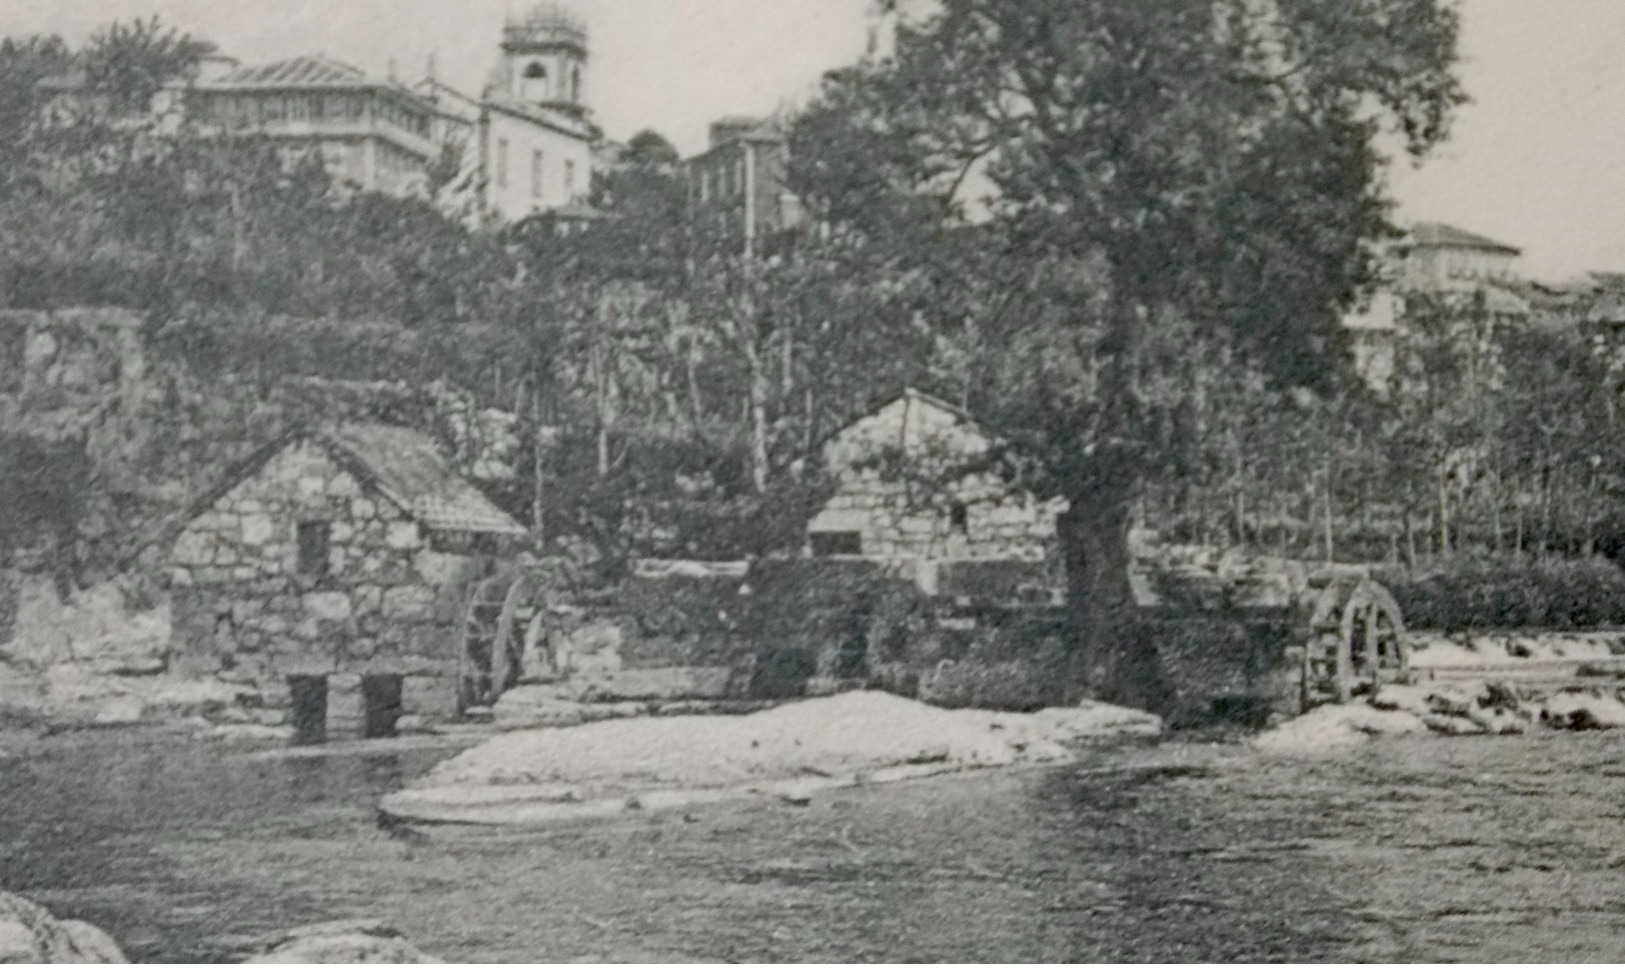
1213,164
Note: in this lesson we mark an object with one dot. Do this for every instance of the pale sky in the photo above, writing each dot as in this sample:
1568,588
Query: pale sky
1538,160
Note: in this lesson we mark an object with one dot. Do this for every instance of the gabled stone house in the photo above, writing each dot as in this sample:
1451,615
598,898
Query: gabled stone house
347,550
907,489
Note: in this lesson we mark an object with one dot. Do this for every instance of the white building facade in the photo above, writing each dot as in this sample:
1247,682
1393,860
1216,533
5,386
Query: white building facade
536,135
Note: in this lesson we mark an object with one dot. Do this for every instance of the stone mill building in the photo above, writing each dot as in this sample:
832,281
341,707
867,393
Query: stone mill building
340,551
908,486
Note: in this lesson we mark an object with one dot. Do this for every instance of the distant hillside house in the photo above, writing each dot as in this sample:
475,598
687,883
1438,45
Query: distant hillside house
526,142
736,188
1440,257
346,550
904,491
1441,262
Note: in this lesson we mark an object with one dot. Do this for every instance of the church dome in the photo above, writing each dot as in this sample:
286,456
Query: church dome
547,24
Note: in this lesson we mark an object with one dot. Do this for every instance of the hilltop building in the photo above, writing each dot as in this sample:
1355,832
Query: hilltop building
736,188
373,135
1442,262
536,136
1442,257
527,141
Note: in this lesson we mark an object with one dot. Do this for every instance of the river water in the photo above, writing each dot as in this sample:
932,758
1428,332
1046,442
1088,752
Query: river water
1472,849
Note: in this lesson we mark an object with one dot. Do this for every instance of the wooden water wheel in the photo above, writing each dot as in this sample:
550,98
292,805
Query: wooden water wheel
1356,641
488,661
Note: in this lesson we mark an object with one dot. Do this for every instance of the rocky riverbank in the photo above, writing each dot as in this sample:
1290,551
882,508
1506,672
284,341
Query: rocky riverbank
103,659
29,934
1487,708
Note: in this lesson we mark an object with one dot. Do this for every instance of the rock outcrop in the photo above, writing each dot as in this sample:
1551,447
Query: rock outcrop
29,934
340,943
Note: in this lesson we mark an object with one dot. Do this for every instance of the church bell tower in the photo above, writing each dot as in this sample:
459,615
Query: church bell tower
546,58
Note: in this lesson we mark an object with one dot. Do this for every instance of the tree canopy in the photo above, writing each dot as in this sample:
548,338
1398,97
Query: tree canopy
1205,168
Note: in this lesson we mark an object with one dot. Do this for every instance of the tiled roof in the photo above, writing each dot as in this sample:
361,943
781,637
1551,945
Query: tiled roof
300,72
544,116
1440,235
405,465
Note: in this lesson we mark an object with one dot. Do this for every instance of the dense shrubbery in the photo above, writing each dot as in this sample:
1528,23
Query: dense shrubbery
1507,593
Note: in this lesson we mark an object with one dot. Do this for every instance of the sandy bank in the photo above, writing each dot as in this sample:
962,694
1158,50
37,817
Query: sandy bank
791,752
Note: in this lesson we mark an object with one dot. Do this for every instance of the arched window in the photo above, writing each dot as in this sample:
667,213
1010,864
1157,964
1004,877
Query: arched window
533,82
575,84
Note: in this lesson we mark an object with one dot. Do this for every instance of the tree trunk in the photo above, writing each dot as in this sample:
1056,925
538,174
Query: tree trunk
538,493
1116,659
1444,519
1410,529
758,391
1331,548
601,404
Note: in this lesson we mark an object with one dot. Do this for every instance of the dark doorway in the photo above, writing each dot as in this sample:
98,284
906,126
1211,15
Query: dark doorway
309,714
381,705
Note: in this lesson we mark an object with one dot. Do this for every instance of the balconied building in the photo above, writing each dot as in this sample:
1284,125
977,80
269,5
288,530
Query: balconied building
1439,257
527,140
372,134
1435,261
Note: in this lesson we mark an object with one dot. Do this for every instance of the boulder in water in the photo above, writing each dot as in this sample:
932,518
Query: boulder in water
120,711
1392,697
1452,725
29,934
1572,710
364,942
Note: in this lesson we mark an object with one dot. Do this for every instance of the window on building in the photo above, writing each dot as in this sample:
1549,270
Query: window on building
569,180
533,83
315,543
959,518
575,84
536,173
502,163
836,543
